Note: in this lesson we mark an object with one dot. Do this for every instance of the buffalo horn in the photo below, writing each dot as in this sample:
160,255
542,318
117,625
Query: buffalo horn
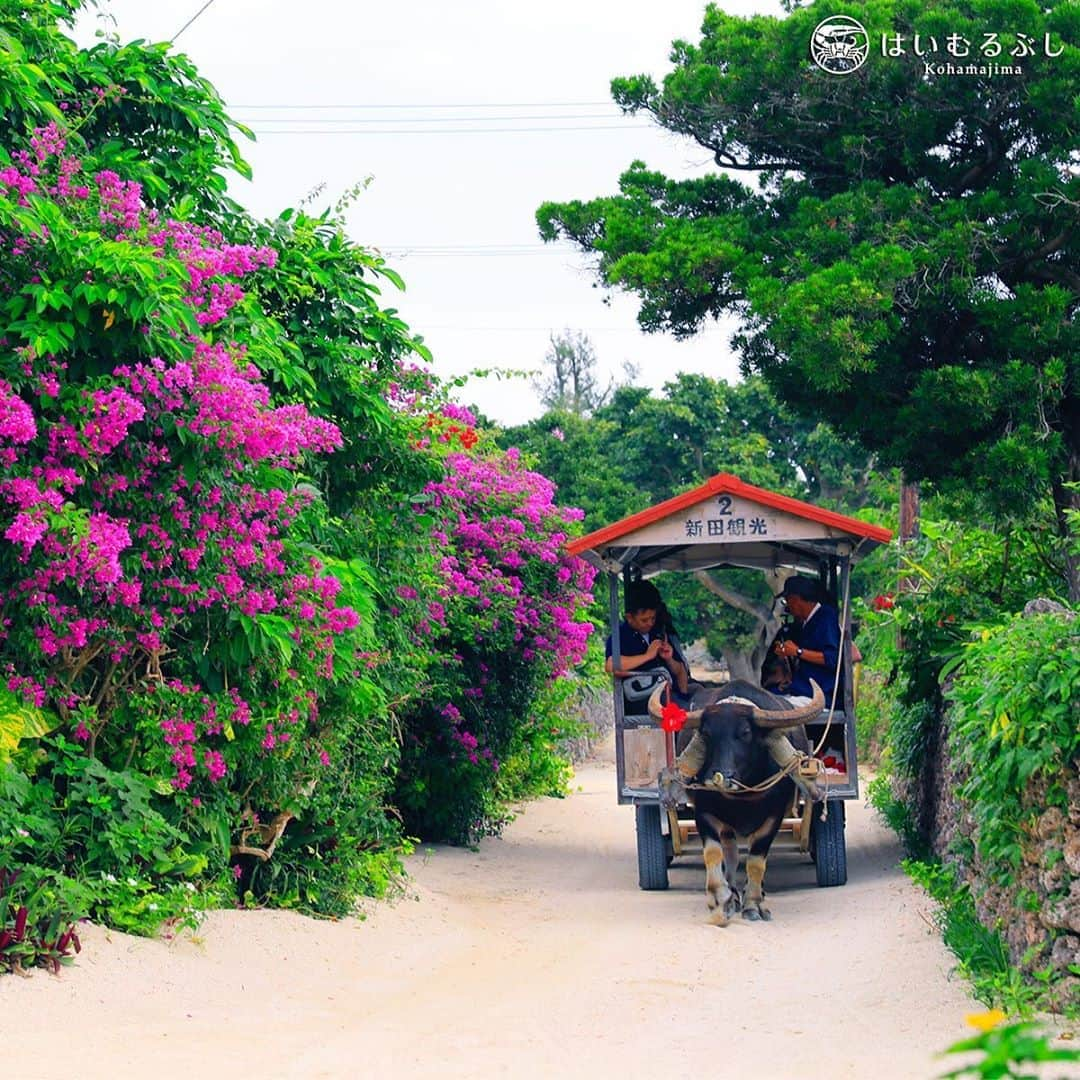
693,718
783,718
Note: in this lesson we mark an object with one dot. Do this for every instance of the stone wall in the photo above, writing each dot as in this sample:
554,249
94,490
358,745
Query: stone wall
595,707
1038,915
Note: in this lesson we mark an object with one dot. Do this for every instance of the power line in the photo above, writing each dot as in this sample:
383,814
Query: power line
447,119
441,105
462,254
532,329
191,20
453,131
469,247
464,250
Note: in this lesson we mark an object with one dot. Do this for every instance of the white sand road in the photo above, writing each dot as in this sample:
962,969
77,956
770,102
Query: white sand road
534,956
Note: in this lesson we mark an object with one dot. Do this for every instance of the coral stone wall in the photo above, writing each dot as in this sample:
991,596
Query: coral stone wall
1037,913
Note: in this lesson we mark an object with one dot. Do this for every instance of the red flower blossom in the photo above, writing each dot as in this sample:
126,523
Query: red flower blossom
672,717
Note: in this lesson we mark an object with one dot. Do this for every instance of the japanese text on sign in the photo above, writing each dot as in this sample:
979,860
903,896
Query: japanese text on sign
730,526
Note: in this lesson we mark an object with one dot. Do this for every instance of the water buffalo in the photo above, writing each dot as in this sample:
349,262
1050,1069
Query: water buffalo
735,724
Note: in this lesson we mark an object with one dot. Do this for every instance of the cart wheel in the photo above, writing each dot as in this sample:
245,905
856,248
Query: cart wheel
651,847
827,847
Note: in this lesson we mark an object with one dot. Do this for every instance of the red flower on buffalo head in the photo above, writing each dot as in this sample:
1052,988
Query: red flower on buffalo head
672,717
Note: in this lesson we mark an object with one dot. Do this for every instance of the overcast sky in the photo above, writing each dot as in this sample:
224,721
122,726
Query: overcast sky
340,90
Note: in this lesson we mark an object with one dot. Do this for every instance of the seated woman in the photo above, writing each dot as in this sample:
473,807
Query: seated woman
647,647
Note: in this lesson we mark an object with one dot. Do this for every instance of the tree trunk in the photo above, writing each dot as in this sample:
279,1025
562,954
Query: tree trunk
741,666
766,633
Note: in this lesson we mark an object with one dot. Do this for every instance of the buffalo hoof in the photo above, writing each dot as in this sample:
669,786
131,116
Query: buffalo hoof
722,913
733,905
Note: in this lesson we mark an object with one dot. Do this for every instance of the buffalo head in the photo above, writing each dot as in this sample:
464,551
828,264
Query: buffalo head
734,721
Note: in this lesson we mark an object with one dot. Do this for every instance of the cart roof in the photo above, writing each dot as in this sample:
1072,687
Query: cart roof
726,522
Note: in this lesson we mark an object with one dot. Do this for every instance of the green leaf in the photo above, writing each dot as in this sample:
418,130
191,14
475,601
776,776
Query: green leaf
19,720
394,276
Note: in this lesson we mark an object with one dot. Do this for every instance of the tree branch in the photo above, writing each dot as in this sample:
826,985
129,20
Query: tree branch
733,598
994,152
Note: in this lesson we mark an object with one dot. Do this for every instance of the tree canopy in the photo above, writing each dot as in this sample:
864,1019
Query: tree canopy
642,448
906,266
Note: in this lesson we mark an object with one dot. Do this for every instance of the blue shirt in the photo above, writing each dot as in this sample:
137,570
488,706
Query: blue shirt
820,633
633,643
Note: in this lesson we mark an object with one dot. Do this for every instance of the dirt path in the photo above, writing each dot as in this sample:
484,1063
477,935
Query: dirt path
536,956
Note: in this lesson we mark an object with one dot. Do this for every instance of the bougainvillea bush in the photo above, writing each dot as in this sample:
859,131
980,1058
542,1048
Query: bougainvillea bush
503,621
163,603
235,520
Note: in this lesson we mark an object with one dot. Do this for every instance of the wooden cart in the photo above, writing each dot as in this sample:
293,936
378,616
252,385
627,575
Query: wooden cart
726,523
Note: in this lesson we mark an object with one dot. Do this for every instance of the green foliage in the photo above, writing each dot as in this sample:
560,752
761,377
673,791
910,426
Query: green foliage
911,735
148,905
143,108
536,764
445,791
147,851
106,831
730,632
144,111
955,575
897,815
1013,720
954,578
982,954
640,448
19,720
343,355
1011,691
983,957
583,457
501,621
1004,1047
300,721
38,911
343,843
904,269
874,713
